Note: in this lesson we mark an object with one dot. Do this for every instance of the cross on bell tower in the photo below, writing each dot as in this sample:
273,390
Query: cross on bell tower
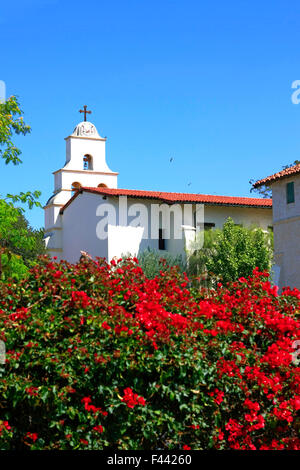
84,110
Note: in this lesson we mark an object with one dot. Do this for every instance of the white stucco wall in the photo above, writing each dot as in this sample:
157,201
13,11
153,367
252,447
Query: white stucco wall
246,216
282,210
82,221
52,218
286,222
123,241
79,223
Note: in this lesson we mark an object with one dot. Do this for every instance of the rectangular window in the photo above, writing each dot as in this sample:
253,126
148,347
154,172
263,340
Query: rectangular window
290,193
209,225
161,240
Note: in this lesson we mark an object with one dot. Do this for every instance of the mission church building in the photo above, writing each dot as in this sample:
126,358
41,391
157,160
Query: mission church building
87,212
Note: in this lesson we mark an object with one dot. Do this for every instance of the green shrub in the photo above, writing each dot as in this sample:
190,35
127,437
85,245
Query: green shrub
197,258
13,266
152,262
231,253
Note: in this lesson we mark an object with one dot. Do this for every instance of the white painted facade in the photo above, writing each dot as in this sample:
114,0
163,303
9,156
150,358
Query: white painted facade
286,223
84,218
134,222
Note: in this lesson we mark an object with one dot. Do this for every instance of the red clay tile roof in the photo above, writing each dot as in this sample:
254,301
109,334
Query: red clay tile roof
177,197
293,170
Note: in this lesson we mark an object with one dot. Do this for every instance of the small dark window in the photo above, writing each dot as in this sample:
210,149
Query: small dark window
209,225
161,240
290,193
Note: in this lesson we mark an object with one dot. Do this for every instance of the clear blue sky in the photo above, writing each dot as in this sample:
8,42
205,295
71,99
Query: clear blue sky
207,83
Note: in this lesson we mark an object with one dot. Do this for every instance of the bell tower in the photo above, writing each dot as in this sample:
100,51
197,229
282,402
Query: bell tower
85,165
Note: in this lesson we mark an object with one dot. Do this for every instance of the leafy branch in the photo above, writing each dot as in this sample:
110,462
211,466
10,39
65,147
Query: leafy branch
26,198
11,122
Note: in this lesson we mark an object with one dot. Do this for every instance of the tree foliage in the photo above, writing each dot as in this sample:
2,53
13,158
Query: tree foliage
11,123
230,253
19,243
265,190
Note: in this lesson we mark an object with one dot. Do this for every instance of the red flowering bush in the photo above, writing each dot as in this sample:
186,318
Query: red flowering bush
98,356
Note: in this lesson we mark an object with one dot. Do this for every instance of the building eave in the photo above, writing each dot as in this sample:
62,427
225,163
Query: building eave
171,198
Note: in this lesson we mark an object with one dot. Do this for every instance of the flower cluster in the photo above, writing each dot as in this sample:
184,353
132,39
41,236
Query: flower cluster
132,399
194,368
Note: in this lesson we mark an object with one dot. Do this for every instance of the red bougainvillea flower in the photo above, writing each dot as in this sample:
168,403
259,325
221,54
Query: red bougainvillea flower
32,435
80,298
195,426
85,328
32,391
4,425
98,428
92,408
86,400
57,274
218,396
132,399
7,426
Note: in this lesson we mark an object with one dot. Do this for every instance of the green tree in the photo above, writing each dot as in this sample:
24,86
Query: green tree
19,243
231,253
265,190
11,124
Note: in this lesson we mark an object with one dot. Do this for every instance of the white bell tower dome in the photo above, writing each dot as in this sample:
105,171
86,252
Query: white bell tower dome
85,166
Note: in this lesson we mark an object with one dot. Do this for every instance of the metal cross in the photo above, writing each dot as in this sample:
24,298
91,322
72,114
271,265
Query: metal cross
85,111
